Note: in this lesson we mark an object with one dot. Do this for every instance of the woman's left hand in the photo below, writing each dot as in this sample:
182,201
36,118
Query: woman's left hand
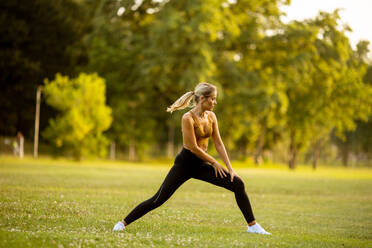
232,175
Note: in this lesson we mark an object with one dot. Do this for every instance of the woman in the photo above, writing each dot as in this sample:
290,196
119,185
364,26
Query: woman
193,161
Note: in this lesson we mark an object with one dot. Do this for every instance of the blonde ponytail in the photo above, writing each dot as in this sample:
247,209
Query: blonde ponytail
182,102
202,89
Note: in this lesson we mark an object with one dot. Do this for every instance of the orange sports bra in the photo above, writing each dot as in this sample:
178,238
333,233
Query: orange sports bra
199,129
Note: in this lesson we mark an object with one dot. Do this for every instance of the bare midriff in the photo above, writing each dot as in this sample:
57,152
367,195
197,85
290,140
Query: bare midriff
202,143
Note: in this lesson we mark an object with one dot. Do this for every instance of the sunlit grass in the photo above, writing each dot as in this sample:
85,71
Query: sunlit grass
51,203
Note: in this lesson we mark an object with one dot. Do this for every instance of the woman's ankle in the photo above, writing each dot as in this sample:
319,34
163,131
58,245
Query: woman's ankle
252,223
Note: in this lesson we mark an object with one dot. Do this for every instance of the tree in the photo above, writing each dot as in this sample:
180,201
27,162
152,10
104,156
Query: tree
39,39
358,141
83,115
324,81
158,50
254,99
116,47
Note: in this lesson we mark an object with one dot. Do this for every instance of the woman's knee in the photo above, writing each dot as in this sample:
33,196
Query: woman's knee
238,184
154,203
158,199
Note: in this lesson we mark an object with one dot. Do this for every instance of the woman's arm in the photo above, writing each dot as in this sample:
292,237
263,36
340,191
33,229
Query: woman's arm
220,147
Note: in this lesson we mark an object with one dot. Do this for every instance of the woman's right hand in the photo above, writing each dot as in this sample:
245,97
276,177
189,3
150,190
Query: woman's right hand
219,170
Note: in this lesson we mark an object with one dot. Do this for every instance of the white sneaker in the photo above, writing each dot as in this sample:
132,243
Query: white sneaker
119,226
256,228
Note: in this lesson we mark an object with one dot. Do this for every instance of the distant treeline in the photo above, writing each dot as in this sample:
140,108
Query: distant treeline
298,89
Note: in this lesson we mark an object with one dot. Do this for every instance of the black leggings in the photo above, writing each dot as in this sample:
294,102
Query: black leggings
186,166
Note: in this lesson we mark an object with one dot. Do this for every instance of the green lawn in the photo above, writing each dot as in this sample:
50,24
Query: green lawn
48,203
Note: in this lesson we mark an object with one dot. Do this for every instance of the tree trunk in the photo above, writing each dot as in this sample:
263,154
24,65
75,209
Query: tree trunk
316,155
292,152
132,144
21,145
345,155
243,150
292,160
112,150
259,148
132,150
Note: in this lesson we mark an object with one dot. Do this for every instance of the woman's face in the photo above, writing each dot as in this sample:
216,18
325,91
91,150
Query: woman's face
208,103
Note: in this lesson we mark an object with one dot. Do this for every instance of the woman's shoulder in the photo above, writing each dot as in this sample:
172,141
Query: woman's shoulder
187,116
211,114
187,120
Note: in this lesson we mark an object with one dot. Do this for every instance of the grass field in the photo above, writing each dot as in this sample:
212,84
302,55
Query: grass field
48,203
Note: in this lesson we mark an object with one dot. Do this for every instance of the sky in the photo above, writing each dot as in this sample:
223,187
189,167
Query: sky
356,13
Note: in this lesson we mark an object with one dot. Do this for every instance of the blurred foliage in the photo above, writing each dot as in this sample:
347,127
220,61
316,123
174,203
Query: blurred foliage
298,86
83,115
38,39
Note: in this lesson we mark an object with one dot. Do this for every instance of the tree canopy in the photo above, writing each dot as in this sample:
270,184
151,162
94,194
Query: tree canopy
83,115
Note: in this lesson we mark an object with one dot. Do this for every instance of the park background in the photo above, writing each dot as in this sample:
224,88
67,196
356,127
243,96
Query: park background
288,92
85,87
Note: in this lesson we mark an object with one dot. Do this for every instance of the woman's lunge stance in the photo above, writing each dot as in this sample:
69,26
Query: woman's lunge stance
193,161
